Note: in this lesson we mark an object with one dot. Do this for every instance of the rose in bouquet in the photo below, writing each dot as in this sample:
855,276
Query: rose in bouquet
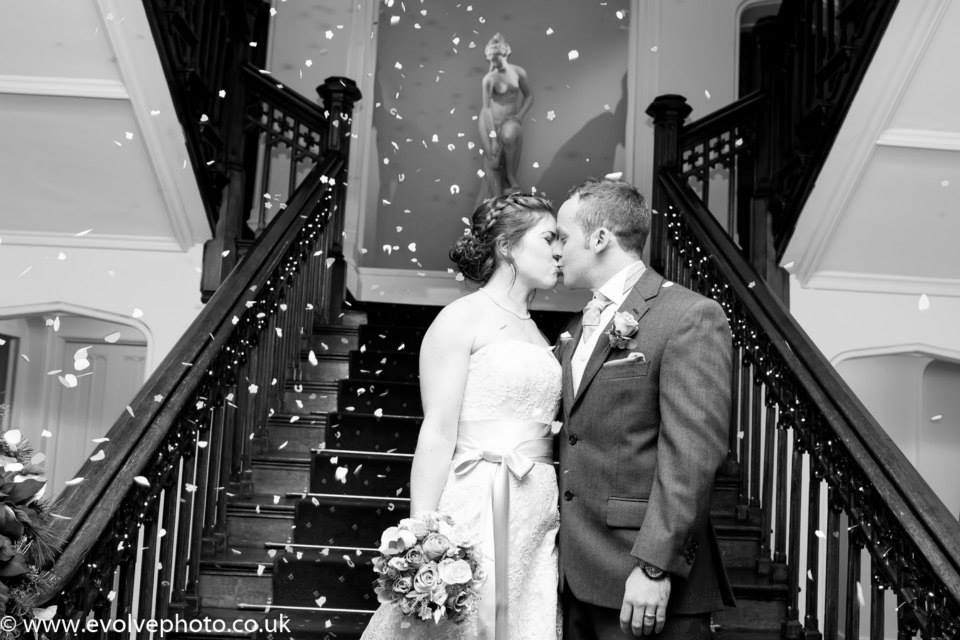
427,569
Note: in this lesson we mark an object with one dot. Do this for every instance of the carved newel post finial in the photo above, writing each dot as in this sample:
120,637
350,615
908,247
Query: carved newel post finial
668,112
338,95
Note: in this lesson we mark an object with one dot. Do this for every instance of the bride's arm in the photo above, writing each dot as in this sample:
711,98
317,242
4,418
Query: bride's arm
444,358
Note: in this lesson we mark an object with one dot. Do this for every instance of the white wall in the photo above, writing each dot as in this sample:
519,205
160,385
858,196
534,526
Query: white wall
847,323
111,284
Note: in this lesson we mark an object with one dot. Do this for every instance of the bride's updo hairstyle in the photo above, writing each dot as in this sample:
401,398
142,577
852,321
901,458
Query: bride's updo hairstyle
497,222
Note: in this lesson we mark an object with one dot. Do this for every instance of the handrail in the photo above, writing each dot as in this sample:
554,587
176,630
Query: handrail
110,489
723,119
282,97
911,534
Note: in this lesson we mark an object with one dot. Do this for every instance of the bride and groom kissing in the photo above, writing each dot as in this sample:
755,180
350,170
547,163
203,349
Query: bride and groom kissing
616,542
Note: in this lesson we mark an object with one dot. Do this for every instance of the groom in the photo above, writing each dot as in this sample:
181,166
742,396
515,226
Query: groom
646,404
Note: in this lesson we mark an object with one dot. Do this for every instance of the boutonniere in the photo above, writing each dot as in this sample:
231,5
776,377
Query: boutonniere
624,327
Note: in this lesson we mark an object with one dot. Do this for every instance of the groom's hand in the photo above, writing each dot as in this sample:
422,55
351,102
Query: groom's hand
644,609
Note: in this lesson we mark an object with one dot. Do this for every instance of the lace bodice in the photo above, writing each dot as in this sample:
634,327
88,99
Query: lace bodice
512,379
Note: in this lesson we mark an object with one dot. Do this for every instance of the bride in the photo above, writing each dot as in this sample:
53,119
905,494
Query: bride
490,388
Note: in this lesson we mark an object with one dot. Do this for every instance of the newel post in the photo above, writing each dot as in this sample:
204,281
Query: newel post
338,95
668,112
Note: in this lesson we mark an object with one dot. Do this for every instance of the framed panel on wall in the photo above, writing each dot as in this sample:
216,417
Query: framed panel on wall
8,363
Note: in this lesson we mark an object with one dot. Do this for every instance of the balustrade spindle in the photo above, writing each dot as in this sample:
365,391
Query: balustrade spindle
811,626
831,611
854,593
877,607
769,480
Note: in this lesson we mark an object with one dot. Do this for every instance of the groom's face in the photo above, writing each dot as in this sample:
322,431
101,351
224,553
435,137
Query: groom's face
576,258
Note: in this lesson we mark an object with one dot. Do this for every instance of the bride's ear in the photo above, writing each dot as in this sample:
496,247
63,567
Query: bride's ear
503,249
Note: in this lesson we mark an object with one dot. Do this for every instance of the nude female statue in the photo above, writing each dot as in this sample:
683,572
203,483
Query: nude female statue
506,101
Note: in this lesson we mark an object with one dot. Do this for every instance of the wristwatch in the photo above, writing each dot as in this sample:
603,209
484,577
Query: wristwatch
651,571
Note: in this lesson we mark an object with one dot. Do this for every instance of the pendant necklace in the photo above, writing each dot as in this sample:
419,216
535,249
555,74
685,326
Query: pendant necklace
507,309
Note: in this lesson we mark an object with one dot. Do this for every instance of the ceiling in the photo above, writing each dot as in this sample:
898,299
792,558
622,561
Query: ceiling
885,212
92,153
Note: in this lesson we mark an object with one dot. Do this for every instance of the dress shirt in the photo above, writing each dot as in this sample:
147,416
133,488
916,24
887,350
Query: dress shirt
616,290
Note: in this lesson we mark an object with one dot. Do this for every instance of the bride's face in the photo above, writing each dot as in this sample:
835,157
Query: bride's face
536,255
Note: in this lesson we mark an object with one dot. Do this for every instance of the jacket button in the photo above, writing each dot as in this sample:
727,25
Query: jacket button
568,495
572,439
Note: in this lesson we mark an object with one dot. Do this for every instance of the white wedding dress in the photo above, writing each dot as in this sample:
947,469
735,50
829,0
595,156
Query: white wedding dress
510,400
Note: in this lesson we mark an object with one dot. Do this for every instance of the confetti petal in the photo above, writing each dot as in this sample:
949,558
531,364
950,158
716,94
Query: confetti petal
924,303
112,338
98,456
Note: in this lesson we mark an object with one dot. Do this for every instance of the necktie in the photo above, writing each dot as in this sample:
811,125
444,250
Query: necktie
591,313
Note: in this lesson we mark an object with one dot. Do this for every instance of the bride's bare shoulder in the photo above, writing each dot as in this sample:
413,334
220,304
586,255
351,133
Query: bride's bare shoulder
459,317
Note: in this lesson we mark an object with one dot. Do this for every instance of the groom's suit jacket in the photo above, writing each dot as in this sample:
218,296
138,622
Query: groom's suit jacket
642,439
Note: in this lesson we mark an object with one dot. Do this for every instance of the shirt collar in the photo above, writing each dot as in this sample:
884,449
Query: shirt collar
620,283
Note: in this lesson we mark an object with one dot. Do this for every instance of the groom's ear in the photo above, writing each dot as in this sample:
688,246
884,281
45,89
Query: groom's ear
601,239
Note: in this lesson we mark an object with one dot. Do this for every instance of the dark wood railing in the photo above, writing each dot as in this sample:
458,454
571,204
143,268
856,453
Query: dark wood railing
816,471
754,163
155,493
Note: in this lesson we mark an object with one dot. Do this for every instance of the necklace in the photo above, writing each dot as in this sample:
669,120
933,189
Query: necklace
525,316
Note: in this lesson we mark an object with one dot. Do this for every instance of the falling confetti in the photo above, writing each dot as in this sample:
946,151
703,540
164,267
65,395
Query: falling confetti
573,54
549,31
69,380
73,482
312,358
112,338
98,456
454,189
936,418
706,92
137,313
142,481
551,115
924,303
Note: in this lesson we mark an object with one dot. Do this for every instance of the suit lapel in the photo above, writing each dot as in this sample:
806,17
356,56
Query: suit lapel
647,287
566,354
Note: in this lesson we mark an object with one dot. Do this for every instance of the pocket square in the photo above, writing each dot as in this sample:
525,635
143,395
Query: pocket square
633,356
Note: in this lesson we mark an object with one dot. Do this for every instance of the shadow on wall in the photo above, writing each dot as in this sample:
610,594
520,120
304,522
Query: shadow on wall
598,147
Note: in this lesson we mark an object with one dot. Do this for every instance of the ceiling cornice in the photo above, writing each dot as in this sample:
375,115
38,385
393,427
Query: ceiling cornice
927,139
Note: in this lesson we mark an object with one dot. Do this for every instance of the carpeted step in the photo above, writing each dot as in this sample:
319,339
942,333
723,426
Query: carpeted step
366,473
739,543
291,434
392,338
384,365
340,578
393,398
386,433
332,339
308,396
251,522
411,315
327,519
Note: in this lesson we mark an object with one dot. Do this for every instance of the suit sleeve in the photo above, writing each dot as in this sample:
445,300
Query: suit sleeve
692,443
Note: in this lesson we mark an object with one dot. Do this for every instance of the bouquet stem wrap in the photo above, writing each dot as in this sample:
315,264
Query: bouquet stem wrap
517,461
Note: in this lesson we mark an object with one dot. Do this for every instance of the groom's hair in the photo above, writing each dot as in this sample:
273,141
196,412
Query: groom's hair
616,205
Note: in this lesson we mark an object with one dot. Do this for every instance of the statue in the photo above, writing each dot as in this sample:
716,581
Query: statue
506,101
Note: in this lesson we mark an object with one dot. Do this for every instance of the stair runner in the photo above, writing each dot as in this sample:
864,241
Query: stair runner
333,471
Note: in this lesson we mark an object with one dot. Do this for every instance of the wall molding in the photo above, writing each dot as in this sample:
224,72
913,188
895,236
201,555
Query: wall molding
92,241
69,308
139,63
439,288
912,28
912,348
927,139
883,283
63,87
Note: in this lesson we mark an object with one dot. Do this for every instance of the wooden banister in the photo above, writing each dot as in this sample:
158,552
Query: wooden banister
912,539
145,445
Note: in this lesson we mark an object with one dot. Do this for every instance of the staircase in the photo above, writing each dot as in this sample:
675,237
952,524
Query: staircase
332,471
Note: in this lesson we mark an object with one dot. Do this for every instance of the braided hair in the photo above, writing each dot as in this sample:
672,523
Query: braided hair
503,218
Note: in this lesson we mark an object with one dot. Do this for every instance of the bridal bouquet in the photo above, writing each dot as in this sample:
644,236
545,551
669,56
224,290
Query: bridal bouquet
427,569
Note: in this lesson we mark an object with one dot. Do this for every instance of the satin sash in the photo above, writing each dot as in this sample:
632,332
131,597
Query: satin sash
517,461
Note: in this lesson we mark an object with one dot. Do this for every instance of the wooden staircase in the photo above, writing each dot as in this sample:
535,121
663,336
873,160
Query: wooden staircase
332,470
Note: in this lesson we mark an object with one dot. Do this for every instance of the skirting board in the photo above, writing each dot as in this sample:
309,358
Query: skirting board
438,288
